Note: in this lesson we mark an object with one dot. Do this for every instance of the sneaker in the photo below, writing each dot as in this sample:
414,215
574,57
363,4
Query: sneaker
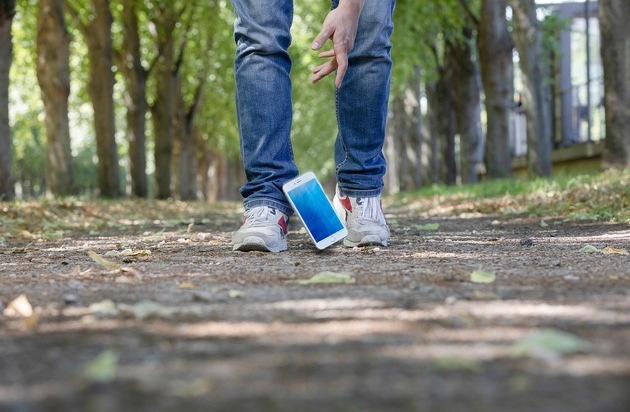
364,220
265,229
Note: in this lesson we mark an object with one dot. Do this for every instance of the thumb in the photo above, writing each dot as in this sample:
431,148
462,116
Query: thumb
321,38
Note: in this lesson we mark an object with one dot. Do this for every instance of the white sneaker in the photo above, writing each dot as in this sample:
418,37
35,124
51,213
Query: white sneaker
364,220
265,229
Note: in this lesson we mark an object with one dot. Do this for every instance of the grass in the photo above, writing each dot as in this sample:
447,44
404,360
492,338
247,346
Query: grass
599,197
603,197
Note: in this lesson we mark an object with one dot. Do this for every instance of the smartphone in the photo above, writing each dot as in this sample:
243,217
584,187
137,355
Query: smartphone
310,203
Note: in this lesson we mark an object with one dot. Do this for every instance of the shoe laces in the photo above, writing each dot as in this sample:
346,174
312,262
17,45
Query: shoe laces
369,208
262,216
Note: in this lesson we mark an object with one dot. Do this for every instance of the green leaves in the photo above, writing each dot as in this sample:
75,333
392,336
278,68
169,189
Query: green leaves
482,276
103,368
549,343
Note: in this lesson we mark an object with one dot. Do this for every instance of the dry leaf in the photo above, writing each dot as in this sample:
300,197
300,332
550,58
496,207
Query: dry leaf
608,250
20,307
102,261
327,277
186,285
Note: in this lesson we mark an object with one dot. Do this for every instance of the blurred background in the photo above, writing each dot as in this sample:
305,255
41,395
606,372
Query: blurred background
126,98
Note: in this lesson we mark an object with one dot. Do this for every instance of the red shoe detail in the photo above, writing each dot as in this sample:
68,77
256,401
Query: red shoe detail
346,203
283,224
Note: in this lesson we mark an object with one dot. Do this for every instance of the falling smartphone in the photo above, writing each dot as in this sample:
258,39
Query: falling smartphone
315,210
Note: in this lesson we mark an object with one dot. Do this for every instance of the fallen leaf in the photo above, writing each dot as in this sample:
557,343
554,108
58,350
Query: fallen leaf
547,343
457,364
104,308
481,276
186,285
154,238
19,307
428,226
102,261
590,249
147,309
495,223
103,368
608,250
236,294
543,223
327,277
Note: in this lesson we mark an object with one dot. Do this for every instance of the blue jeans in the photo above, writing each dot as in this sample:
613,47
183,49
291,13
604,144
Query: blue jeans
264,102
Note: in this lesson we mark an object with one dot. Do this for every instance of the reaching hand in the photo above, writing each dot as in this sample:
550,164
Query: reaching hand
340,26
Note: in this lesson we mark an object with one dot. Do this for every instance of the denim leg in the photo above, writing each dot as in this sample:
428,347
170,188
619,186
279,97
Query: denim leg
362,102
263,99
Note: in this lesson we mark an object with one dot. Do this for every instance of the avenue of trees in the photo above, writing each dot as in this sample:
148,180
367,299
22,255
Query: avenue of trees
128,97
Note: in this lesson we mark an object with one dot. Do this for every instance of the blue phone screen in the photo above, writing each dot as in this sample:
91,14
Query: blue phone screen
315,210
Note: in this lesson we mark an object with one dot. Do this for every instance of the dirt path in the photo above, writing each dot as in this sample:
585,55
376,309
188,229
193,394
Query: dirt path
234,331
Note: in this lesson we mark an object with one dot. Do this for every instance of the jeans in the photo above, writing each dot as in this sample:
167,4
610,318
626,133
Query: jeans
264,102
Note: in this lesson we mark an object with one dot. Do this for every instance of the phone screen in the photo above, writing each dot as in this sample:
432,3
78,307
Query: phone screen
315,210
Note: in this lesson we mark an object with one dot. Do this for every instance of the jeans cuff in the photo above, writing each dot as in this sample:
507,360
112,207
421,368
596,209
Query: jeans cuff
360,193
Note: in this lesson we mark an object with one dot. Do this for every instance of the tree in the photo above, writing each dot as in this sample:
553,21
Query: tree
495,46
135,76
97,32
528,39
53,74
467,102
7,11
614,16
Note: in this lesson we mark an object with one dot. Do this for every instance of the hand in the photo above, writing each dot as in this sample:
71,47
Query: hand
340,26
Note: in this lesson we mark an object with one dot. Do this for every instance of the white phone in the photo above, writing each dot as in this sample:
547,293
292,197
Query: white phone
310,203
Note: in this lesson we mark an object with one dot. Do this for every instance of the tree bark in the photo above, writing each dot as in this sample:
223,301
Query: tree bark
614,16
98,38
467,100
135,76
528,39
7,11
162,109
53,74
495,58
441,117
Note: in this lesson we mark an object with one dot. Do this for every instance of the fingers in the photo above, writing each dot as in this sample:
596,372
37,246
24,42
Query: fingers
323,70
322,37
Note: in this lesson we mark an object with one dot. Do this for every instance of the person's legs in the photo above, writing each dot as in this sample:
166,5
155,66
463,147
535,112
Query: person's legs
264,110
362,102
263,99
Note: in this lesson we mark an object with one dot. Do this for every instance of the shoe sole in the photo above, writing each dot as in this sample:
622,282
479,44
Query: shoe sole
256,244
370,240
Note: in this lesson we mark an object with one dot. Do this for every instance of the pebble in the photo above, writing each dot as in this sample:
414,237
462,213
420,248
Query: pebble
70,299
527,242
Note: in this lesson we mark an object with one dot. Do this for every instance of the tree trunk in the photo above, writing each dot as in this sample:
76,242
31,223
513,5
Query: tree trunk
497,73
98,38
403,146
53,74
162,109
442,130
528,39
7,11
467,100
135,77
185,159
614,16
